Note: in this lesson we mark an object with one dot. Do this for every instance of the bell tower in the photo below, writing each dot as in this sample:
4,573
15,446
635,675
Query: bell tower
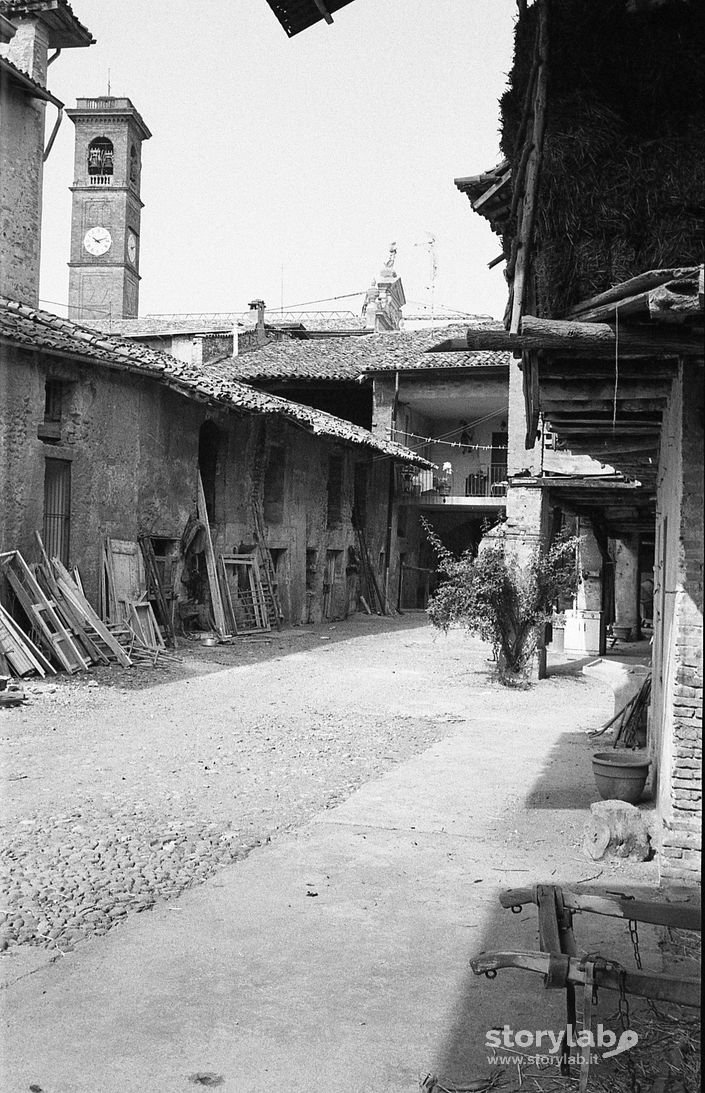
105,219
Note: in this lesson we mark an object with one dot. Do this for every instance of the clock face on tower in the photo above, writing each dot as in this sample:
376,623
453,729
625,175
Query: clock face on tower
97,241
132,248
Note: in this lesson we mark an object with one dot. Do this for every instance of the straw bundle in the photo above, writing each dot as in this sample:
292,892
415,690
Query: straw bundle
622,184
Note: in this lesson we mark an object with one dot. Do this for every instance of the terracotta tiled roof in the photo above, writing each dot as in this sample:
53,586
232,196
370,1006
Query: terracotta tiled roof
63,28
350,358
35,90
41,331
216,322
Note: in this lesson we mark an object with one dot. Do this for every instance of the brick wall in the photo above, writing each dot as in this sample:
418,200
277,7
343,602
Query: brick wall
681,700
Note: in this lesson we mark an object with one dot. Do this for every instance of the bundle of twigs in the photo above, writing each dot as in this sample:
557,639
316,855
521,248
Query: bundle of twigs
627,720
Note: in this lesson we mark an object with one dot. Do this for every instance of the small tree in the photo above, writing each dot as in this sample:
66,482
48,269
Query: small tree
504,603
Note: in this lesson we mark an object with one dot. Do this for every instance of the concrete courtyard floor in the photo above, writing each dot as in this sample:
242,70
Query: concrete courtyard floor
335,957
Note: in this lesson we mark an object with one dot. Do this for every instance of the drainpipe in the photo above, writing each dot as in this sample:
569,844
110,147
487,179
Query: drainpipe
390,496
55,130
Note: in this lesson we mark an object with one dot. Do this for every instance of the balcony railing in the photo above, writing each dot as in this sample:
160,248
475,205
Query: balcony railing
432,486
100,180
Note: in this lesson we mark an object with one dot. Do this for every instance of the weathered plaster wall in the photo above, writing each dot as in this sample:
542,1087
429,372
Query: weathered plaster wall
677,698
21,171
133,446
131,443
626,583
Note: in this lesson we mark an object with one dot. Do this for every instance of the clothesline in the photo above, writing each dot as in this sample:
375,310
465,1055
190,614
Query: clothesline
447,443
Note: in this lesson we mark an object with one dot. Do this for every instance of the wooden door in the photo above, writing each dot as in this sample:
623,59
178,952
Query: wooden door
127,572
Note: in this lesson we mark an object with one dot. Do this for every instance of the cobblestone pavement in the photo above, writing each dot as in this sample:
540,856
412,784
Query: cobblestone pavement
122,789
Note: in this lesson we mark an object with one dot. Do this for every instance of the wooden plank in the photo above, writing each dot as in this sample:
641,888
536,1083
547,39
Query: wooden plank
211,567
490,193
71,592
230,607
549,938
675,301
152,571
110,608
269,581
42,664
73,621
251,600
143,622
15,652
682,990
596,337
127,573
681,915
633,287
40,612
259,594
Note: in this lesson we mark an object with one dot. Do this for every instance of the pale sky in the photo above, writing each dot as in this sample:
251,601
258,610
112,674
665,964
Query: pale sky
283,168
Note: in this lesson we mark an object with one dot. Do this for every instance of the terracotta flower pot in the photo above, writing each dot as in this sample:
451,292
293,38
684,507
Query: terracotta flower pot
620,775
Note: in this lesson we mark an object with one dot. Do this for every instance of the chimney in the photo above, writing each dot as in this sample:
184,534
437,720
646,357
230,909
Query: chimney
259,306
29,48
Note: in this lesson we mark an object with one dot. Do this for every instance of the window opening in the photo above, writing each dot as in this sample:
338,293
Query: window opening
53,392
100,156
134,166
57,508
49,428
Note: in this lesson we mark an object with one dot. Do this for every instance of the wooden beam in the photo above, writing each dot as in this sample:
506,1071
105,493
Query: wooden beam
601,337
683,915
324,11
624,405
578,390
683,990
581,427
559,371
581,339
633,287
676,301
531,186
492,191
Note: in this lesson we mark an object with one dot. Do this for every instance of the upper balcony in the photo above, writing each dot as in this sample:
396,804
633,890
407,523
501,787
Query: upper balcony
487,487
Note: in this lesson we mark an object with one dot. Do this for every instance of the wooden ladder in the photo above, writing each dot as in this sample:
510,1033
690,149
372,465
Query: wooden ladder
267,573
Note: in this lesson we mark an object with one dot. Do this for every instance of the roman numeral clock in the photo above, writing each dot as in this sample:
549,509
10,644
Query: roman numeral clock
106,210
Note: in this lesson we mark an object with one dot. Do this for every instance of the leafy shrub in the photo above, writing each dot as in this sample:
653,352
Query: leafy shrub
503,602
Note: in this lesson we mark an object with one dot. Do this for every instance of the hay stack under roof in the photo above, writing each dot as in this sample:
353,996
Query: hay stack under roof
622,182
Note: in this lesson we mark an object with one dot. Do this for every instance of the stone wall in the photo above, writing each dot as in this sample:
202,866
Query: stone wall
678,629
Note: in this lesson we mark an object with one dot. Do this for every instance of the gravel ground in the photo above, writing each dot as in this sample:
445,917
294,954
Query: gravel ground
124,787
